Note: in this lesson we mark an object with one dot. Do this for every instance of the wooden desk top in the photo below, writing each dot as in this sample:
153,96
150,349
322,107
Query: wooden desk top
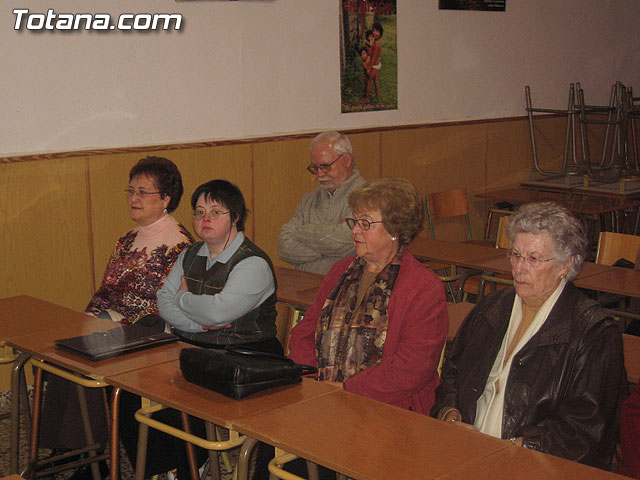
445,251
518,463
621,281
23,315
166,385
291,280
577,200
519,196
41,345
297,288
366,439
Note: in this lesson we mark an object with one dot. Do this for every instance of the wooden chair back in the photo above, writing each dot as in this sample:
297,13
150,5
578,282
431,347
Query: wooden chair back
447,204
614,246
502,240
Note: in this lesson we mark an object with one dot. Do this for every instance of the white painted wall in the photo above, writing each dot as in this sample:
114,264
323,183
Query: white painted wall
246,69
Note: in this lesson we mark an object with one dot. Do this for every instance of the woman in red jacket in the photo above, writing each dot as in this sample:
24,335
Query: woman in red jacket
378,323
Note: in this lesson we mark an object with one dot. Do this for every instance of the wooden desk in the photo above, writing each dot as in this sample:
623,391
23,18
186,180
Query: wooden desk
297,288
366,439
17,314
592,201
456,253
166,385
621,281
517,463
31,326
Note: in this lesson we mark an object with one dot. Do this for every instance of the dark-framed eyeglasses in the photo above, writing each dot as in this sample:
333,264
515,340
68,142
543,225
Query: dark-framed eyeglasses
362,223
200,213
532,260
324,167
131,192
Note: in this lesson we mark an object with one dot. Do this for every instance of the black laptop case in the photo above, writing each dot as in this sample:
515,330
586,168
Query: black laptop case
117,341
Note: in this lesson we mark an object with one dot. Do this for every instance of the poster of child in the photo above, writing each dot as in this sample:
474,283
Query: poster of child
369,67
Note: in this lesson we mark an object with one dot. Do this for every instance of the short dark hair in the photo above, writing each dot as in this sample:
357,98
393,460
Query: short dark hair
377,26
166,176
225,193
367,33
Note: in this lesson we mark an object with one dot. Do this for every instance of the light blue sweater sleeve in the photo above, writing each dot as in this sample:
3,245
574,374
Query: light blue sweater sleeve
249,284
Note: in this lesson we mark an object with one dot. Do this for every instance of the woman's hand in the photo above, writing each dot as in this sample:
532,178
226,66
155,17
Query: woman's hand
183,284
454,417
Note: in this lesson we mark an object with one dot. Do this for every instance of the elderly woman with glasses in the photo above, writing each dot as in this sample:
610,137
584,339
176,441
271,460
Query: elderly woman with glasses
540,363
136,269
378,323
379,320
143,257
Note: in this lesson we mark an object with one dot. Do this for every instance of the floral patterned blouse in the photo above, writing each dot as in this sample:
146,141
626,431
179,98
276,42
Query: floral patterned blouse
137,268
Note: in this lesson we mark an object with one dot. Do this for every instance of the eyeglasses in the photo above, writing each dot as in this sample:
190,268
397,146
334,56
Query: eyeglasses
200,213
324,168
530,260
131,192
362,223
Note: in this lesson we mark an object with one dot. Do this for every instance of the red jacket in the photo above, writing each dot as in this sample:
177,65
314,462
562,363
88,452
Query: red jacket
630,435
417,328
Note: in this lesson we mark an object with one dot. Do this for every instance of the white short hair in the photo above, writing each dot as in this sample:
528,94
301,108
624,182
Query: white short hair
340,143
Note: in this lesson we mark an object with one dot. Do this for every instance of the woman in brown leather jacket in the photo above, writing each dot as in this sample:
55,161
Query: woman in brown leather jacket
540,363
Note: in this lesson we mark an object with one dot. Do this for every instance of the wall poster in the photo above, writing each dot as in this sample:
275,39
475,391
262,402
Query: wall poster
485,5
368,55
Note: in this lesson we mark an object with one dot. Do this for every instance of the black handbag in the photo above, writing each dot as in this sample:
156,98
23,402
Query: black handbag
237,372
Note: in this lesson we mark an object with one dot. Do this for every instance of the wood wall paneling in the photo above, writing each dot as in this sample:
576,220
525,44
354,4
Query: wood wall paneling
44,231
440,158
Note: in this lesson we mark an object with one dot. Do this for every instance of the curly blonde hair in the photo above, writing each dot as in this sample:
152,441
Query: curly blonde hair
398,200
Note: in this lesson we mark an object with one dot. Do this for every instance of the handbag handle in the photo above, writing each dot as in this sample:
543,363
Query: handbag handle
254,353
237,349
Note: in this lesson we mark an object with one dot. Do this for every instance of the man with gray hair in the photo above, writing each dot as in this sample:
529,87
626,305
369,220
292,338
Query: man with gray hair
317,236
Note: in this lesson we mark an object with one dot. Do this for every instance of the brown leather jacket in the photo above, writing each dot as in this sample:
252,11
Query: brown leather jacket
565,385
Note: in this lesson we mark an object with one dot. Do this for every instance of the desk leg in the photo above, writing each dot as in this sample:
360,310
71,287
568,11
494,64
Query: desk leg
14,439
35,424
114,446
243,458
191,449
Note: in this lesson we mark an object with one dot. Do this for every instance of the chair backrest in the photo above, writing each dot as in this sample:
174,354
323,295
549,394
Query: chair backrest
502,241
614,246
447,204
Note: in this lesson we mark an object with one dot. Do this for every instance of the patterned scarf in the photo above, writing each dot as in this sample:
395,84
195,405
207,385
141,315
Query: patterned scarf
349,340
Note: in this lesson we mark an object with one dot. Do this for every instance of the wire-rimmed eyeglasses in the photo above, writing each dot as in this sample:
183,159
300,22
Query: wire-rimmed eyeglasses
200,213
532,260
323,167
140,193
362,223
